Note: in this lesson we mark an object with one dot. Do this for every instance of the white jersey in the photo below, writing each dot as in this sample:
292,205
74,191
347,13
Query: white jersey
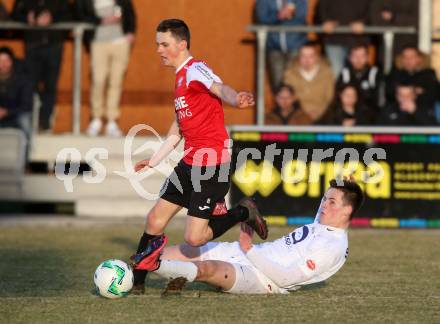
309,254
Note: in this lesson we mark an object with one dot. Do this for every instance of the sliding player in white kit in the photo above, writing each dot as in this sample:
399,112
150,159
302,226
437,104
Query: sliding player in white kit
309,254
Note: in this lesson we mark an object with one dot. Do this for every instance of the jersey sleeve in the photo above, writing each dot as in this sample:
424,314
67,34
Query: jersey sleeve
201,73
295,273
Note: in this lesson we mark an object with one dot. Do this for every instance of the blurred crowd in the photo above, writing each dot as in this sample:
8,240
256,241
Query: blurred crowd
330,78
33,81
338,79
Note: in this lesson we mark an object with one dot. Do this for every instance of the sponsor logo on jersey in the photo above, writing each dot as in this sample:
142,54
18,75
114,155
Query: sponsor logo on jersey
287,240
310,264
182,108
180,103
205,72
220,209
300,234
204,207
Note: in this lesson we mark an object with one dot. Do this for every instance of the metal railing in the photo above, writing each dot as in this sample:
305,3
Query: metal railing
78,33
262,31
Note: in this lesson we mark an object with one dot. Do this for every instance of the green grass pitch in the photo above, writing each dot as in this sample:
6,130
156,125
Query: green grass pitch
46,276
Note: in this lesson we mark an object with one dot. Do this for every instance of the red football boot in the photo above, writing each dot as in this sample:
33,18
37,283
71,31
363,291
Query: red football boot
149,259
255,220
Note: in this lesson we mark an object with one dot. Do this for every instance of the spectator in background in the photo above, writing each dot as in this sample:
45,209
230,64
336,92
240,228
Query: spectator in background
282,48
348,109
394,13
412,67
110,53
408,110
367,78
287,109
4,15
335,13
43,49
313,80
15,94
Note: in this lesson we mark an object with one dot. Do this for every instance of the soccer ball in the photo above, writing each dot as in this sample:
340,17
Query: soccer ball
113,279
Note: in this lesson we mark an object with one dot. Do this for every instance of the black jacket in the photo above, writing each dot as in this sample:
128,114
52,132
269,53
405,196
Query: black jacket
367,81
4,15
424,78
335,115
344,12
60,11
392,115
405,13
85,12
16,92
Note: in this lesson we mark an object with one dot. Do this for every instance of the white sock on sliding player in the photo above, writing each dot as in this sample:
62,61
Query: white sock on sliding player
171,269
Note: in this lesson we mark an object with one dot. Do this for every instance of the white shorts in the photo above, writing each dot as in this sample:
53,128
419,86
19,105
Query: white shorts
248,279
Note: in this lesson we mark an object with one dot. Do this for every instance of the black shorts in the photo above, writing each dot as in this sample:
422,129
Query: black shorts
202,190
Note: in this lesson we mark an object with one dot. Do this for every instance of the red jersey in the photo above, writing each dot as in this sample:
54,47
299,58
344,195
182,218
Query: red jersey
200,115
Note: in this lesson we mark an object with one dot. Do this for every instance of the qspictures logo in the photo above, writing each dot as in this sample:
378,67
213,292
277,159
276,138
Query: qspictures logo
99,173
293,170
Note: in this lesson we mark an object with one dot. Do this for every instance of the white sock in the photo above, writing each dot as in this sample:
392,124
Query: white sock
171,269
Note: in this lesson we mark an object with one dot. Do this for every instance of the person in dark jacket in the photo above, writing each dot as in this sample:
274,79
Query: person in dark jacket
408,110
348,108
412,68
4,15
15,94
43,49
287,110
335,13
110,47
367,78
282,48
394,13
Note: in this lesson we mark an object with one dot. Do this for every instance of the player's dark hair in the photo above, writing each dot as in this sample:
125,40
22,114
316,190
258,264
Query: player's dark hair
340,88
359,46
8,51
410,47
177,28
405,84
285,87
311,44
353,194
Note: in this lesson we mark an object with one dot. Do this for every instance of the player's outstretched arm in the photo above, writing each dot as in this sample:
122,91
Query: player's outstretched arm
232,97
173,138
282,276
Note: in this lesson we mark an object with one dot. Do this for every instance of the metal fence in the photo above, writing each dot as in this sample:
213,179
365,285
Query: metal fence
424,30
262,31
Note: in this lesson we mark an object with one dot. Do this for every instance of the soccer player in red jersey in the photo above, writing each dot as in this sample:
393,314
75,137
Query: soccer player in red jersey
201,179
